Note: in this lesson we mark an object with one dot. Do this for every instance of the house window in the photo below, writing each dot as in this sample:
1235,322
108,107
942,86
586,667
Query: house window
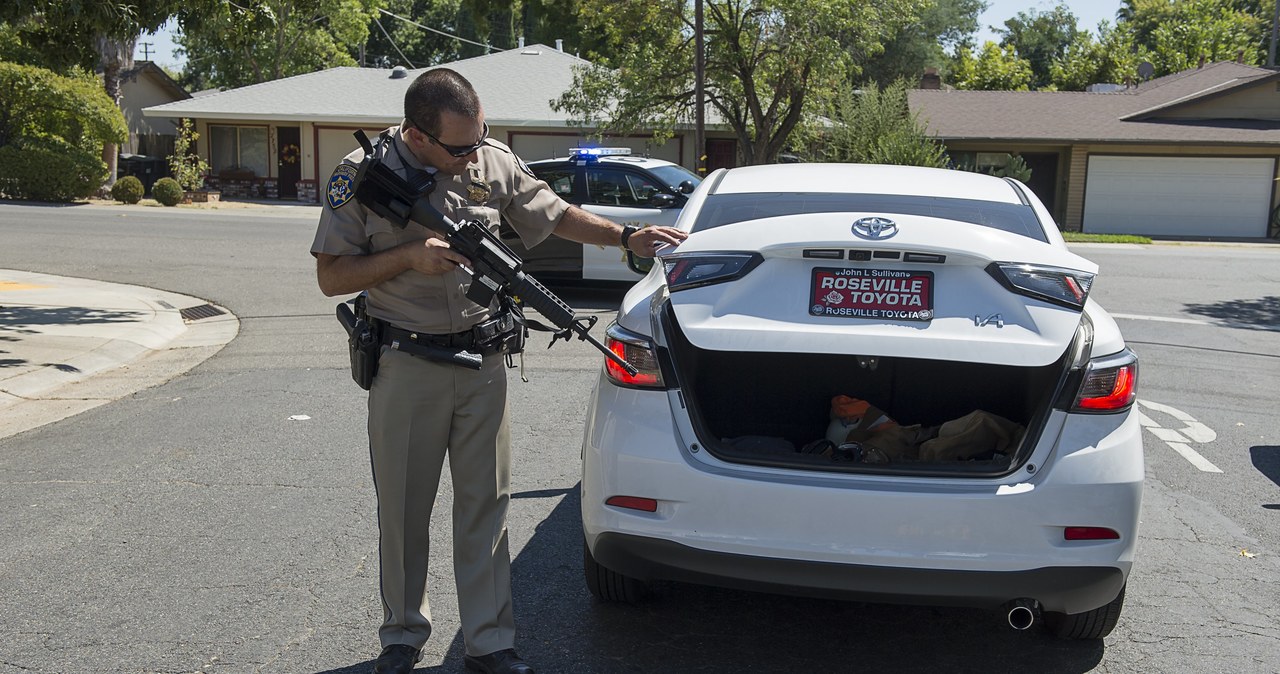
238,148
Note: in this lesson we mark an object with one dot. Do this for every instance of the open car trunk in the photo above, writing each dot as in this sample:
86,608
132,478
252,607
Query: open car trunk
775,408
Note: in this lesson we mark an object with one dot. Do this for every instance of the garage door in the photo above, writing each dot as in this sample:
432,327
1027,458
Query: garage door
334,144
1178,196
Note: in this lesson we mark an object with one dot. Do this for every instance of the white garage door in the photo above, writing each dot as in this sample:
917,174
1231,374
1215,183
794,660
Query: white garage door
1178,196
334,144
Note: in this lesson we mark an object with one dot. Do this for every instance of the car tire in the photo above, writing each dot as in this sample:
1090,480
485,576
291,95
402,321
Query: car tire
1094,624
608,585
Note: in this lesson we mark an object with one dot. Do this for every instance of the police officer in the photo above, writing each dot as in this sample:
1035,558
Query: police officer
420,409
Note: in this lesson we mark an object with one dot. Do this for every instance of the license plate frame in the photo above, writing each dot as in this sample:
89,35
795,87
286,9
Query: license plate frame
876,294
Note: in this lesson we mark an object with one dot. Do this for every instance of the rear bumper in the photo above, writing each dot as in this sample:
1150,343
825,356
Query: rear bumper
1071,589
887,538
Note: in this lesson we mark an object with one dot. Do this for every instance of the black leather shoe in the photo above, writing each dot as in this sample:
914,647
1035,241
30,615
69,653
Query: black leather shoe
502,662
397,659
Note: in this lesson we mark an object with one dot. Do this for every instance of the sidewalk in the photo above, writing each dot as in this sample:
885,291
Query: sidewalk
68,345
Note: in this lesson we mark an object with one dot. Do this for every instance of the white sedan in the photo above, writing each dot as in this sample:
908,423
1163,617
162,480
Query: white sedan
876,382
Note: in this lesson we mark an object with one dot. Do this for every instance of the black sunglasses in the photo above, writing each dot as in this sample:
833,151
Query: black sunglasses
456,150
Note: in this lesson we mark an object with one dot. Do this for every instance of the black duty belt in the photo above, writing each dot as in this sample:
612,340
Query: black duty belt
465,340
466,348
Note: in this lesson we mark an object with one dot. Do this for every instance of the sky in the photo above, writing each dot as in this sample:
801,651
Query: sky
1088,12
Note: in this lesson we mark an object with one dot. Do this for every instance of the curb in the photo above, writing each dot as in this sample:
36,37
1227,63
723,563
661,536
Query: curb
97,342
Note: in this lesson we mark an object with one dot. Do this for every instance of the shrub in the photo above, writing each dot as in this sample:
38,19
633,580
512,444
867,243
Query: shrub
167,191
187,167
49,169
127,189
875,126
52,129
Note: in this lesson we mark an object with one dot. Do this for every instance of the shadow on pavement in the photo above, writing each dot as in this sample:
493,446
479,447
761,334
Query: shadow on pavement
687,628
1266,458
1260,314
15,319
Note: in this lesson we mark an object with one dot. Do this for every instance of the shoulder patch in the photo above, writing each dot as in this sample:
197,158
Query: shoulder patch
524,167
341,185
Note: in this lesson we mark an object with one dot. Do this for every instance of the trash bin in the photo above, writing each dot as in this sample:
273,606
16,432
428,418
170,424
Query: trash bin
146,169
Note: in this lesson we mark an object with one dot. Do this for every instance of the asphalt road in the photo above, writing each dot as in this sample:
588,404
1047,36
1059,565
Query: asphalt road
195,527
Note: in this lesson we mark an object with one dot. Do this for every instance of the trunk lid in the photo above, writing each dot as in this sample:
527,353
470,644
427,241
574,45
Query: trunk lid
973,316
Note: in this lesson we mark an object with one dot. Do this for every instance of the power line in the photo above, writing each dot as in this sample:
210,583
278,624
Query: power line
393,42
487,48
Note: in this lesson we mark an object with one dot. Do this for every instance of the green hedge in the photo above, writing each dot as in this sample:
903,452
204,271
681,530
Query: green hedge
167,191
49,169
52,130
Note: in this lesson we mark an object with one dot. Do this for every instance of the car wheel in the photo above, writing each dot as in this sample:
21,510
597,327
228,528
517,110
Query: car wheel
609,585
1094,624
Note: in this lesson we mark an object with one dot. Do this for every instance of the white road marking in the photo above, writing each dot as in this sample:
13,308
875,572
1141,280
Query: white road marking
1194,431
1162,319
1194,457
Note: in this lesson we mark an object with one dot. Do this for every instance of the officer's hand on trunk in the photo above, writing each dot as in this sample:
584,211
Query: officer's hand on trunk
645,241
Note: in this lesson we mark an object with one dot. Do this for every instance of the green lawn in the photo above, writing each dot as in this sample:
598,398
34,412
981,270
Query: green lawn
1078,237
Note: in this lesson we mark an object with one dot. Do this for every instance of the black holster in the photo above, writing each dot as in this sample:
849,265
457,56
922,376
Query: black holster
363,342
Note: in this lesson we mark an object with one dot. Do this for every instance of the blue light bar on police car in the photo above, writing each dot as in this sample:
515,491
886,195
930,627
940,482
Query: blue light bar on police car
600,151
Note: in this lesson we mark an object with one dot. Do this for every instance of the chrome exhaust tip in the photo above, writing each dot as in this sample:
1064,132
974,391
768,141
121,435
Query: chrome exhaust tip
1021,613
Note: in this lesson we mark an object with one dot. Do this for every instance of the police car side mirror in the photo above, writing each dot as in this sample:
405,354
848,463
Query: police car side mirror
685,187
662,200
639,265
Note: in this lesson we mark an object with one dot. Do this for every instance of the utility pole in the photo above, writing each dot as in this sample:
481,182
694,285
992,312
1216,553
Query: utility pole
1275,36
699,66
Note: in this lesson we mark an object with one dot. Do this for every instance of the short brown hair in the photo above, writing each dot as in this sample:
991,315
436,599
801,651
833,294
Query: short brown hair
436,90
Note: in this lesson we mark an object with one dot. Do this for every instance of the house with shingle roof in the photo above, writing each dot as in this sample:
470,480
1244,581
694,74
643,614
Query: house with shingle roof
280,139
1194,153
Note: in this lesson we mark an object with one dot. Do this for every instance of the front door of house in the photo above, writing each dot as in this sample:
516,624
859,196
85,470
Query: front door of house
288,161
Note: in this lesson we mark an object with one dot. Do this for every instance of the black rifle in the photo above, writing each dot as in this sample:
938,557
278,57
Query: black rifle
495,267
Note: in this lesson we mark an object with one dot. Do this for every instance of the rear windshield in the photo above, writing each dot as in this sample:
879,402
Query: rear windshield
726,209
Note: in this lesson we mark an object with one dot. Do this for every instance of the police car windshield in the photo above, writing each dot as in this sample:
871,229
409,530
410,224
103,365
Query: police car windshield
673,175
725,209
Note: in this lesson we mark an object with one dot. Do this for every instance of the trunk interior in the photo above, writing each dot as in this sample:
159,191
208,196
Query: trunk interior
776,408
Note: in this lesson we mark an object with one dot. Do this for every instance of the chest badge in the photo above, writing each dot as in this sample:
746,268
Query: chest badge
478,190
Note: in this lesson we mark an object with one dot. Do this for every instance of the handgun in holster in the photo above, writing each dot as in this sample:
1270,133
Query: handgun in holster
363,341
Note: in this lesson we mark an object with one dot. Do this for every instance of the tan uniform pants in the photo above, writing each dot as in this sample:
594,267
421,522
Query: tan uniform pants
420,410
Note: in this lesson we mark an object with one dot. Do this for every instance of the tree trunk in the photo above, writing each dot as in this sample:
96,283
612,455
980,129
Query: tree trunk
115,57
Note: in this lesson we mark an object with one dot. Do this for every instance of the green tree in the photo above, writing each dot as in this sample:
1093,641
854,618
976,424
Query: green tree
943,26
394,41
994,68
94,35
767,60
1040,38
1175,34
52,129
875,126
252,41
1112,58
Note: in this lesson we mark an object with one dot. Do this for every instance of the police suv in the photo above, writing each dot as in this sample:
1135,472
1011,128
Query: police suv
613,184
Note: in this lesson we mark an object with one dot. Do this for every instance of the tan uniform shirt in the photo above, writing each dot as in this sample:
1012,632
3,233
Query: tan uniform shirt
497,183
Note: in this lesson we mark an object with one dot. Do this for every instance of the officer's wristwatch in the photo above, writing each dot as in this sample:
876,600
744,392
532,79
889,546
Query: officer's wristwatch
627,231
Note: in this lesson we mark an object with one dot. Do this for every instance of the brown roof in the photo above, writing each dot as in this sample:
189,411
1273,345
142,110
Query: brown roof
1126,116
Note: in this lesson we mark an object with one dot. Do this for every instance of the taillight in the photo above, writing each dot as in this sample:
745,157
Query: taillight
1055,285
637,350
691,270
1110,384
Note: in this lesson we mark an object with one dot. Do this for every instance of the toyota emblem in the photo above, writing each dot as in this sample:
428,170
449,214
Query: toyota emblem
875,228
